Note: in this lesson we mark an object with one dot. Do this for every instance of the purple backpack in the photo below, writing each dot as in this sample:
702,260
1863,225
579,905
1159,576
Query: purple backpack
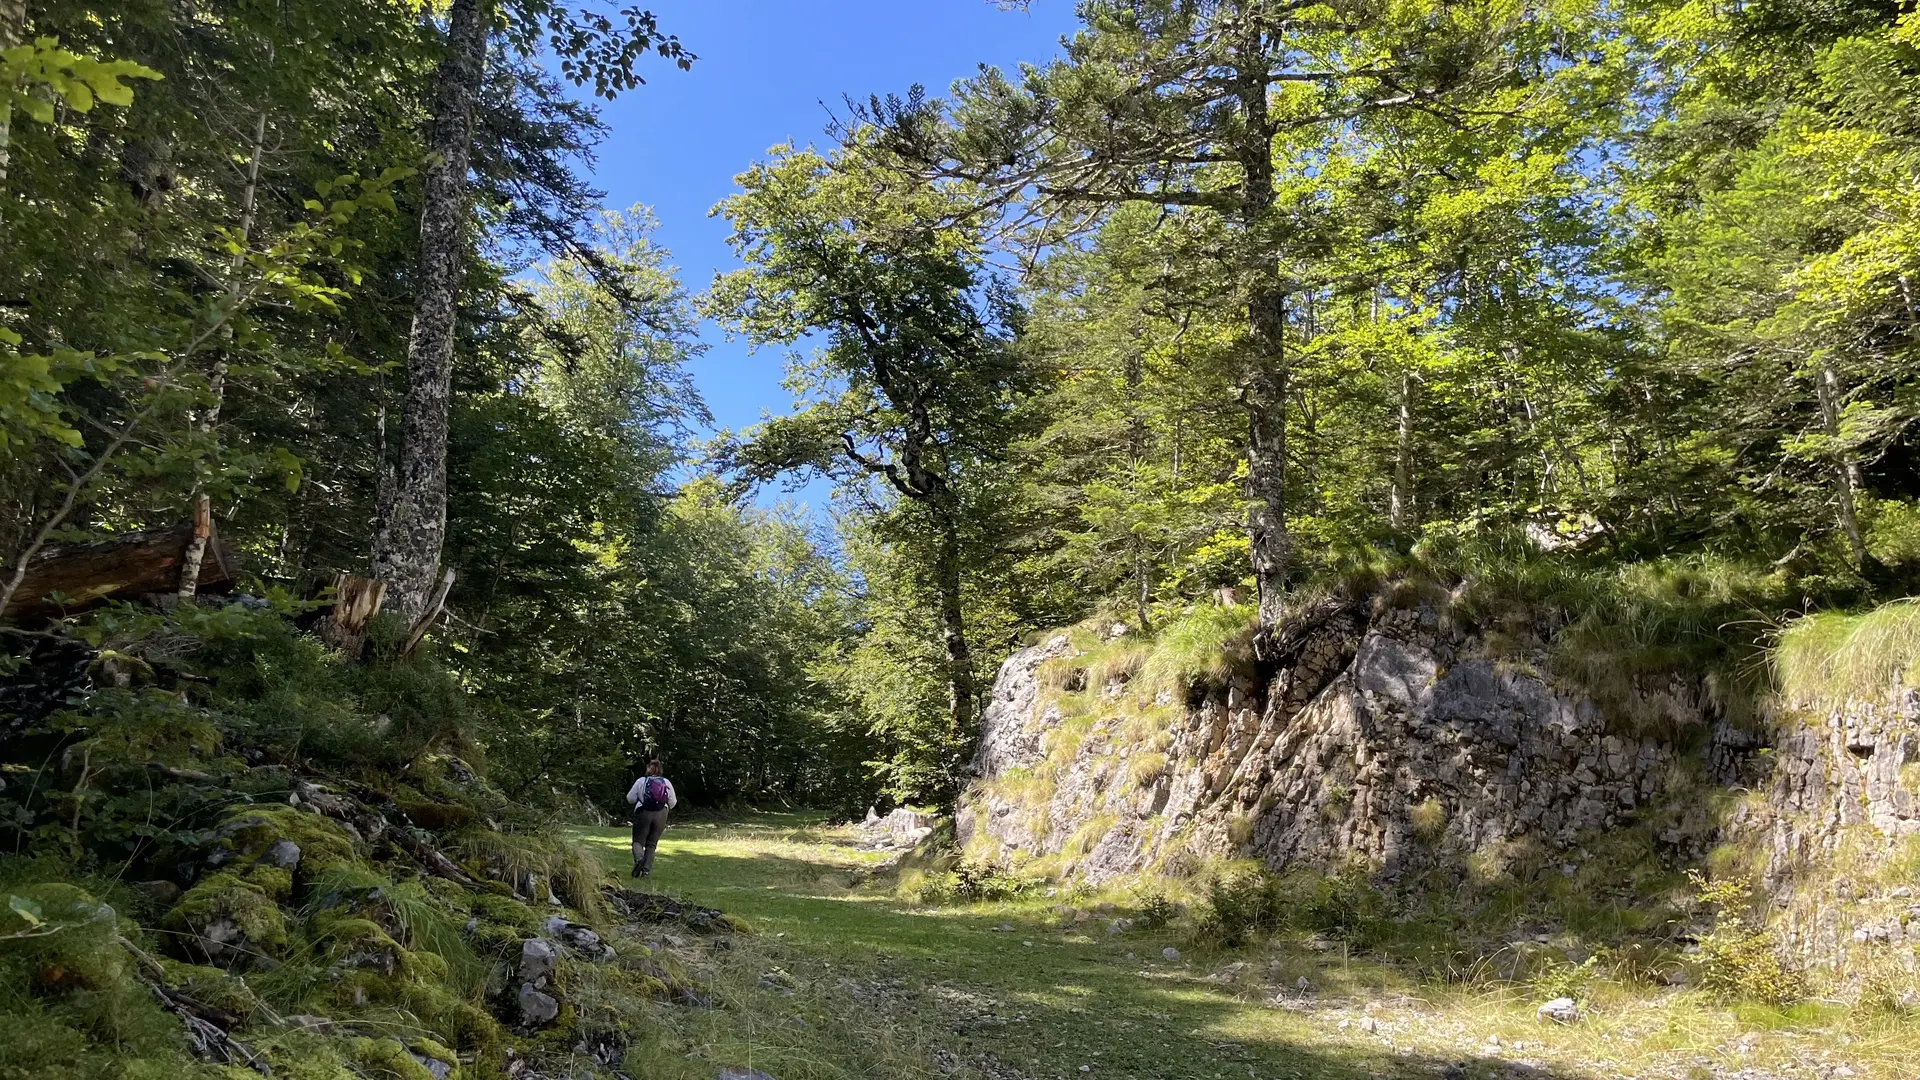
653,793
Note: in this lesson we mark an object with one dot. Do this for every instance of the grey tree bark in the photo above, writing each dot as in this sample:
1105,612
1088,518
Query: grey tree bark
1400,499
1846,470
13,29
1264,388
413,523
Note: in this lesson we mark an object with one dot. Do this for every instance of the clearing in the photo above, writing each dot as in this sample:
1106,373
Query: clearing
841,978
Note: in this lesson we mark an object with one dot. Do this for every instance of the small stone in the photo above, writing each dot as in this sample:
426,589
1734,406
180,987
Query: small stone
1345,1024
1303,984
1028,944
1369,1024
161,893
536,1007
733,1073
1003,928
284,854
1086,1068
1560,1010
1493,1040
1568,869
440,1070
537,959
1170,953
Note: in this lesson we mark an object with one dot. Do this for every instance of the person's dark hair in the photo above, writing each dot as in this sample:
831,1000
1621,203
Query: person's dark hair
653,767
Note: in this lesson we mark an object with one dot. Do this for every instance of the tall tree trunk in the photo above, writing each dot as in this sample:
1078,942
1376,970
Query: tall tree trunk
13,30
1846,471
413,524
1264,389
210,416
1135,373
1400,499
953,631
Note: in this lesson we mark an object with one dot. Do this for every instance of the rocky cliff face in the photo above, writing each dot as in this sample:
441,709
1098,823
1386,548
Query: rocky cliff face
1385,737
1390,739
1834,830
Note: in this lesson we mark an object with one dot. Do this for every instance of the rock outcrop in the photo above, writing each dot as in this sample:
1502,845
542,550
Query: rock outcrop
1384,737
1835,829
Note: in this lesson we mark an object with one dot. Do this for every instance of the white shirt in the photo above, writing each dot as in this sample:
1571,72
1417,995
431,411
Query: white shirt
633,793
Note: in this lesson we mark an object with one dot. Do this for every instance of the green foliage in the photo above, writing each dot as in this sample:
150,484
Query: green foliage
1739,958
1244,903
971,882
1155,911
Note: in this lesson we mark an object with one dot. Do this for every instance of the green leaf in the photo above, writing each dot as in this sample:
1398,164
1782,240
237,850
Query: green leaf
28,911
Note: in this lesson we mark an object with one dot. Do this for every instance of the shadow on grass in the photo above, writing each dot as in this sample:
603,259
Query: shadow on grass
1002,991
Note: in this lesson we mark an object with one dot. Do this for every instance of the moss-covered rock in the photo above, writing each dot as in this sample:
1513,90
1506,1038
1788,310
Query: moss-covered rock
232,916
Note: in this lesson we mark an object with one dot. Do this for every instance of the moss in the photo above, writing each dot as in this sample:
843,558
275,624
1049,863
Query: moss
71,1002
235,896
388,1058
438,816
324,845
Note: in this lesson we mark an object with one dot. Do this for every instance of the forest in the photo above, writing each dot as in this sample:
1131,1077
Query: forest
347,433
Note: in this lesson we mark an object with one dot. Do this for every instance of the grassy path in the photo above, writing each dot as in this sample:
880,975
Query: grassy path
843,981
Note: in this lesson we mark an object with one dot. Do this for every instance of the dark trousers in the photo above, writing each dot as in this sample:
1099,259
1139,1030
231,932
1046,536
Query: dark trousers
647,827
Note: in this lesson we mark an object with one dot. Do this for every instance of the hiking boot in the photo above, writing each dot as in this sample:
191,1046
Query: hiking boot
637,872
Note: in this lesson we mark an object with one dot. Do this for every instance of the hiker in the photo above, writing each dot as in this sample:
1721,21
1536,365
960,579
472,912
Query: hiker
651,797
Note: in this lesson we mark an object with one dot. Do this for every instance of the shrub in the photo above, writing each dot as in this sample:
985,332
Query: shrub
971,882
1737,958
1156,912
1243,903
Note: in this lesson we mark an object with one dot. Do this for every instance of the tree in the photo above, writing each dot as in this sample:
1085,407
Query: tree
412,521
914,386
1180,103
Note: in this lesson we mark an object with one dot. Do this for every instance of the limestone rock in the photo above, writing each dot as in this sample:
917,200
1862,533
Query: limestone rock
538,957
284,854
1560,1010
536,1007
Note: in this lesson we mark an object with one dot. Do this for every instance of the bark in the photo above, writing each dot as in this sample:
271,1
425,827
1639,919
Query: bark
356,600
1264,391
132,564
1846,471
953,631
414,523
1400,500
249,205
13,29
1136,455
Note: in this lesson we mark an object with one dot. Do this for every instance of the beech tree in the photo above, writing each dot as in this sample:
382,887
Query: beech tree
914,385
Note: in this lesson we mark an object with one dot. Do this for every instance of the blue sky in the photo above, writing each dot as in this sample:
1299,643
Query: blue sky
767,73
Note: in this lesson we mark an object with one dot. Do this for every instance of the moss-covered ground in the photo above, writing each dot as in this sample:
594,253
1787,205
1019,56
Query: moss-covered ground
844,978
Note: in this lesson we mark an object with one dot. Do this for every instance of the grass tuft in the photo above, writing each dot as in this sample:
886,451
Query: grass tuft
1829,660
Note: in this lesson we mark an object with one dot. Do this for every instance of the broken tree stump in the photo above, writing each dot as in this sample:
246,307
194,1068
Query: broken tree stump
356,600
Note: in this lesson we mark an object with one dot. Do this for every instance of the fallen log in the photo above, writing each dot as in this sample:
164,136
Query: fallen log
123,567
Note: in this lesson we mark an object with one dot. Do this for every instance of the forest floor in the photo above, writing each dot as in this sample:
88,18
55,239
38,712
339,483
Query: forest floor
841,979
